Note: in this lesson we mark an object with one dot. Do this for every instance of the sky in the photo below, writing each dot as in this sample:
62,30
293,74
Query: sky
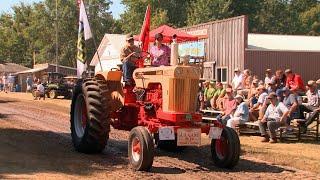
5,5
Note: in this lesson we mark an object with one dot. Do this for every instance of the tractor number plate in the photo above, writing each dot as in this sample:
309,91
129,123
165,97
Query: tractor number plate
189,137
215,132
166,133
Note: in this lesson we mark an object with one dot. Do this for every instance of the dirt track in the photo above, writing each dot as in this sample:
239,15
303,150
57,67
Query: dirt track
35,143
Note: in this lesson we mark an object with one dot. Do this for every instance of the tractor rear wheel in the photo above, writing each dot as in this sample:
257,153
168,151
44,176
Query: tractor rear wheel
90,123
53,94
140,149
225,151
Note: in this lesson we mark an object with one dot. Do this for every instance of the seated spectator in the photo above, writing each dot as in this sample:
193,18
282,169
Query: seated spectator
209,93
255,77
290,101
280,79
39,91
252,93
294,82
218,95
255,109
241,115
272,87
229,105
269,77
237,80
275,116
247,79
312,106
318,86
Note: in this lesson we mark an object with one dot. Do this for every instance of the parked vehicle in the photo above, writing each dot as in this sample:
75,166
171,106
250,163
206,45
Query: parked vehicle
56,84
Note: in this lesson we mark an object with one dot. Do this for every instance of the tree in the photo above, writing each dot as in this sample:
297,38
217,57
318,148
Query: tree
172,12
311,20
202,11
32,27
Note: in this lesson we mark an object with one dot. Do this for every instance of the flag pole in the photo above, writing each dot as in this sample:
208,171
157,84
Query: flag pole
57,45
94,42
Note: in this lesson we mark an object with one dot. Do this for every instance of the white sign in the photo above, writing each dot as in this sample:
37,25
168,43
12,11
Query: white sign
189,137
215,132
166,133
200,32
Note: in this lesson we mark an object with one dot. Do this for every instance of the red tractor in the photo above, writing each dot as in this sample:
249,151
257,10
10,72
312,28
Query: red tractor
159,111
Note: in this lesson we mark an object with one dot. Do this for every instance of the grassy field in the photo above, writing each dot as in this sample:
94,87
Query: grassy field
301,155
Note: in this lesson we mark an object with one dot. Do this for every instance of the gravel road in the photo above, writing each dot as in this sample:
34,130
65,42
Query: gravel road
35,143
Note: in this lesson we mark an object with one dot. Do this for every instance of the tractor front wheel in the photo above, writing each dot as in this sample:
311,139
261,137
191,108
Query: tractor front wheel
225,151
53,94
90,122
140,149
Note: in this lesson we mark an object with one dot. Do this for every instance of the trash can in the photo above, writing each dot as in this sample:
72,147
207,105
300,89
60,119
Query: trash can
17,88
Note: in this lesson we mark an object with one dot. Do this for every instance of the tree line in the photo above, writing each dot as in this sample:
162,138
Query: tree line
30,29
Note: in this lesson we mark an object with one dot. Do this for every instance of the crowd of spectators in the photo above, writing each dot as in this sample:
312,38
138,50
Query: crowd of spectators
273,101
7,83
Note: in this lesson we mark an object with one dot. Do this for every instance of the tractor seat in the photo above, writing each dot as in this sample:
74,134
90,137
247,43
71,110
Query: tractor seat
120,66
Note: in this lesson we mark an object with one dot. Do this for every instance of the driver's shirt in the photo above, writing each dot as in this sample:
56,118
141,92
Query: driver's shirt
127,50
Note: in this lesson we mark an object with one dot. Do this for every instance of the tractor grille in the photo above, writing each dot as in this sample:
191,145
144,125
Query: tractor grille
183,95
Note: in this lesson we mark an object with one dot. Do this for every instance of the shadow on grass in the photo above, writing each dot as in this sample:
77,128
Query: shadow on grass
31,151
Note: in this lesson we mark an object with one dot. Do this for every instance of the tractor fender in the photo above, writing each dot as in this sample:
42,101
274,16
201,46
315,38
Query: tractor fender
110,75
113,81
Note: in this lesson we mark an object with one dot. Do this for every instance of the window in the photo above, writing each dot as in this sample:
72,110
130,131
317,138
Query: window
222,74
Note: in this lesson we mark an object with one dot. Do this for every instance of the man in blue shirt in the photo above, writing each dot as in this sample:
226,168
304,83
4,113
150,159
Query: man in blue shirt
241,115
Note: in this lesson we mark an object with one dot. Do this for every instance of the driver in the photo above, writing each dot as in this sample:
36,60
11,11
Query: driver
128,55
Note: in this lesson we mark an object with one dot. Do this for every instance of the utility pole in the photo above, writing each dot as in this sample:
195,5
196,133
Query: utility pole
57,43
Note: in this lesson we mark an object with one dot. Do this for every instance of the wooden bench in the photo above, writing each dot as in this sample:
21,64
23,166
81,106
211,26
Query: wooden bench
211,111
207,119
297,123
245,125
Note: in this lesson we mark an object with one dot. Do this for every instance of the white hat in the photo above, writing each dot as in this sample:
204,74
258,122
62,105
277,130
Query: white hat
239,96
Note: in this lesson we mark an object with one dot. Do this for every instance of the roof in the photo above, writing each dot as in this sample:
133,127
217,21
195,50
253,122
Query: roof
44,66
283,42
11,68
32,70
109,48
54,65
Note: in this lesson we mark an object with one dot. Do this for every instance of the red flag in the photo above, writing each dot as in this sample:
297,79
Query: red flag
145,30
78,3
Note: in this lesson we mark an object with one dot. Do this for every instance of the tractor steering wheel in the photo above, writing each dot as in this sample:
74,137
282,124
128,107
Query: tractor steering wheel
140,62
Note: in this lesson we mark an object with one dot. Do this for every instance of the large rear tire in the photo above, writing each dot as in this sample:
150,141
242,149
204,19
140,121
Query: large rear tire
225,151
90,124
140,149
